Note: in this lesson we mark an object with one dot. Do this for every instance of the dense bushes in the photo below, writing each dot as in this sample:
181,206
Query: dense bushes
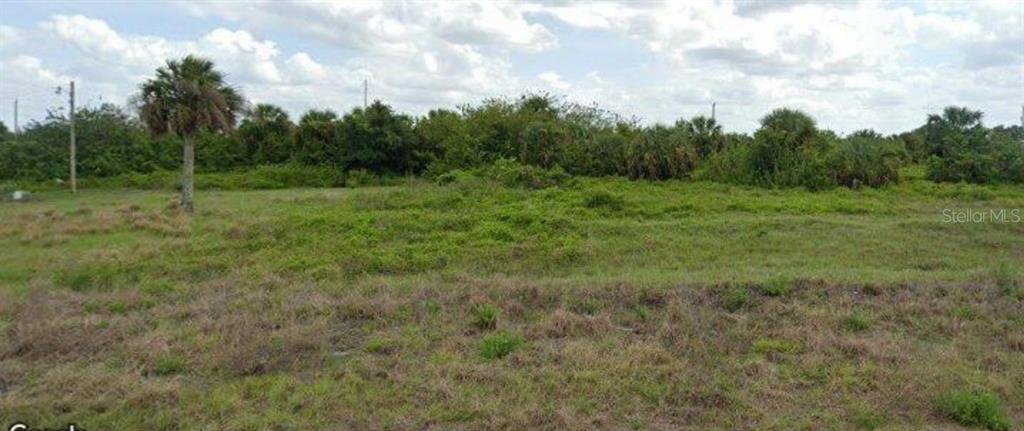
659,153
789,151
509,173
530,141
110,143
960,148
866,160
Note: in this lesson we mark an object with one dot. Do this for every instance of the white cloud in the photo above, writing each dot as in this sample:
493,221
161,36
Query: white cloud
304,68
876,59
9,36
551,79
853,64
396,27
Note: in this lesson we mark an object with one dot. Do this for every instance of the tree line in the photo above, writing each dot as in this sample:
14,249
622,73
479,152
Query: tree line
537,130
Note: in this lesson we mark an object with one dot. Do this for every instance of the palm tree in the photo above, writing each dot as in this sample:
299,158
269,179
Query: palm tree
706,135
266,134
189,96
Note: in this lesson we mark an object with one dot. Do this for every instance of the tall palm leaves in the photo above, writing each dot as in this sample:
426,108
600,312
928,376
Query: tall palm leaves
186,97
706,135
266,134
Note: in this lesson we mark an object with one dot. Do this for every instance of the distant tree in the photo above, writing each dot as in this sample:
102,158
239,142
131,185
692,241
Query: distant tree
1013,132
962,149
705,136
317,139
788,150
266,134
957,126
379,140
865,133
659,153
866,159
187,97
113,142
445,142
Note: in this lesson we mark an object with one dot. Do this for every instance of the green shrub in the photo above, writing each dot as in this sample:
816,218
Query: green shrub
378,345
1002,277
858,321
732,165
660,153
965,312
361,178
775,287
117,307
453,176
86,278
736,298
773,345
974,408
166,365
485,316
789,151
866,161
962,149
513,174
500,345
603,199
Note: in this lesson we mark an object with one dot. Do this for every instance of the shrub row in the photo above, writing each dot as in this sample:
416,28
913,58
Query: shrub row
537,131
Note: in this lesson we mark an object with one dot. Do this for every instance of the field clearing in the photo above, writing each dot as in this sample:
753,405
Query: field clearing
599,304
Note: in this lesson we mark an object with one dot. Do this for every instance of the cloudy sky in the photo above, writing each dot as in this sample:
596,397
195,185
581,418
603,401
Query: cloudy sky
850,64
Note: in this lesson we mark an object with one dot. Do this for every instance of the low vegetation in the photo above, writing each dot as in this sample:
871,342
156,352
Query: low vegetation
974,408
481,303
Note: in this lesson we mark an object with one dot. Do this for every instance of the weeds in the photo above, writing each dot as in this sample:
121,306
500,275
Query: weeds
774,345
602,199
485,316
974,408
776,287
166,365
500,345
858,321
736,298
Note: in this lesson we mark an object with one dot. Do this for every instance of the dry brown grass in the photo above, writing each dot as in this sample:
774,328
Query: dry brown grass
51,227
668,358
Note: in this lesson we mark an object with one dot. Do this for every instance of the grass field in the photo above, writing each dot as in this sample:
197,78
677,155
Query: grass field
603,304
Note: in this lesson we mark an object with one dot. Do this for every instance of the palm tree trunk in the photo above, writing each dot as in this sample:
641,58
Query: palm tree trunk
188,172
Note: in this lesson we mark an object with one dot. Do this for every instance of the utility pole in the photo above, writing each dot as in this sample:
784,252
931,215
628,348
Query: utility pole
74,184
713,110
366,85
15,115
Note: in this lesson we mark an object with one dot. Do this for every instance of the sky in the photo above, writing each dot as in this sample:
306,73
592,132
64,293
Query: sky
850,64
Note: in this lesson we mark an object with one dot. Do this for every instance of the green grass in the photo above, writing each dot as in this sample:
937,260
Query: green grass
500,345
974,408
858,321
167,365
597,303
485,316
